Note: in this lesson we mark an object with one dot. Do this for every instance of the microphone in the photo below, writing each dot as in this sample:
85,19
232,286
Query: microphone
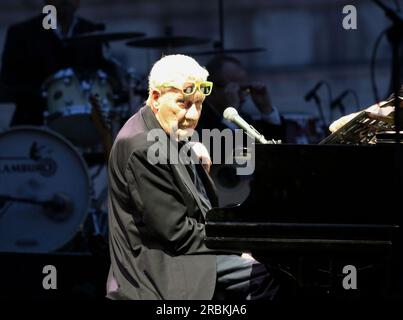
312,93
231,114
338,101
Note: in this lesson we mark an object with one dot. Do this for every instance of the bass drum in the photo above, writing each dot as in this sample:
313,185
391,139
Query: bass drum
44,190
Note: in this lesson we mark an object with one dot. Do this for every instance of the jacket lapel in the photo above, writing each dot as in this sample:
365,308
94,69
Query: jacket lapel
179,168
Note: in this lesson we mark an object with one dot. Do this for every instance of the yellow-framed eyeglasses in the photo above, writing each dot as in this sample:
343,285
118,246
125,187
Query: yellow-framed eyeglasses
190,87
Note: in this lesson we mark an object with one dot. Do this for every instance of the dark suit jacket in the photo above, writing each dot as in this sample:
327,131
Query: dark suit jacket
156,221
31,54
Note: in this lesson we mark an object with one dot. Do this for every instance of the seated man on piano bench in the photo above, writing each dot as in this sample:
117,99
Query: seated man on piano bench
157,209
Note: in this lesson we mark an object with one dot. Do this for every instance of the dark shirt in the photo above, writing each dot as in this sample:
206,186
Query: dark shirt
194,173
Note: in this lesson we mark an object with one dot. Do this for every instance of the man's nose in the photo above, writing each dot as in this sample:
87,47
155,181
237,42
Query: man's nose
192,113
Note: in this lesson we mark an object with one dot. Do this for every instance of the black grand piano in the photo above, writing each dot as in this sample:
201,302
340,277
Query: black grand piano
314,211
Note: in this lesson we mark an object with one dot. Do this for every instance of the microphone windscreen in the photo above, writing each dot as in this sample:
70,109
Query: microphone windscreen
230,113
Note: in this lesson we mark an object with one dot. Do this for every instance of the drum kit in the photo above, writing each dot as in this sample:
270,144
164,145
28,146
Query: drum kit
303,128
53,182
69,108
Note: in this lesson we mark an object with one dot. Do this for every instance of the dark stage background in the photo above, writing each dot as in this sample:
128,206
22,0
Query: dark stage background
290,45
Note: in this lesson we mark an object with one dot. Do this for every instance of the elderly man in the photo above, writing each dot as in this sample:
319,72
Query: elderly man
157,209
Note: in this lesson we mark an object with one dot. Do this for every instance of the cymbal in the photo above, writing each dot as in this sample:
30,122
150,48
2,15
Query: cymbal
105,37
167,42
227,51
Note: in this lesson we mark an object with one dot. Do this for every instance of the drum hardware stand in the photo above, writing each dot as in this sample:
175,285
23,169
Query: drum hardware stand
96,242
103,129
94,236
313,95
132,83
94,220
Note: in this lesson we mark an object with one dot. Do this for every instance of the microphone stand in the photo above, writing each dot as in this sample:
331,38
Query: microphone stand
339,105
394,36
321,114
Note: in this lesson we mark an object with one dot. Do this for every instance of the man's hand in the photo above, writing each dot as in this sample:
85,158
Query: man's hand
261,98
202,154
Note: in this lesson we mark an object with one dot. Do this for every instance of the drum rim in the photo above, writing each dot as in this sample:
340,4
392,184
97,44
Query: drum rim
56,76
79,109
81,160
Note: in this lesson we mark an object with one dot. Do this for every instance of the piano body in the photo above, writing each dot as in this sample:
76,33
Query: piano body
315,210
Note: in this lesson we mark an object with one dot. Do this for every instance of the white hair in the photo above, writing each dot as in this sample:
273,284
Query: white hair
175,69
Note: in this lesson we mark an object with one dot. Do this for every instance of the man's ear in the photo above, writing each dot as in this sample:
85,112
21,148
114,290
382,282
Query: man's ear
155,95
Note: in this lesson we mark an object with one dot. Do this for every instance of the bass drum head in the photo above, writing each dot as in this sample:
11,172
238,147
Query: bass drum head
44,190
